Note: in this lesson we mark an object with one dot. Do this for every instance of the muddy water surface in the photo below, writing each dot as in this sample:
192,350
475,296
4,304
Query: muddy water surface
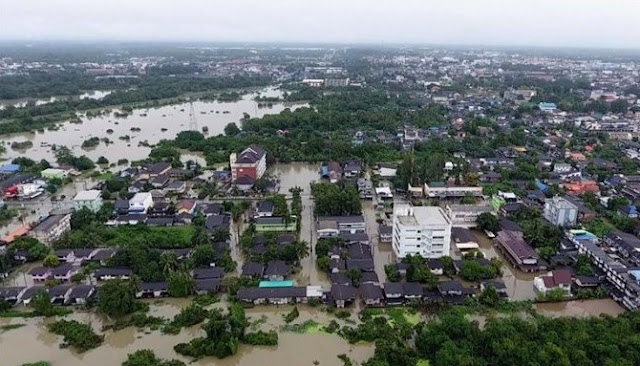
173,118
293,349
580,308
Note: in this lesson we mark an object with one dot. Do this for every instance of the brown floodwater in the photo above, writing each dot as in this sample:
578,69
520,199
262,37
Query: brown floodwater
580,308
298,349
174,118
519,284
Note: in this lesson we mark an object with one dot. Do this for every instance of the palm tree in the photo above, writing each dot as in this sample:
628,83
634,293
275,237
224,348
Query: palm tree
169,262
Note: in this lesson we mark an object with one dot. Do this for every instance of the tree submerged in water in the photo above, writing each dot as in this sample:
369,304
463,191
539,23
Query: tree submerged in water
224,332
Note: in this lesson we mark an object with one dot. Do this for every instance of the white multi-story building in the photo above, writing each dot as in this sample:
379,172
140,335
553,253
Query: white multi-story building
422,230
140,203
91,199
560,212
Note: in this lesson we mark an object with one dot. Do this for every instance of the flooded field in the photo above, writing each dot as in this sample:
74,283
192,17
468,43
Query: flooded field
293,348
154,125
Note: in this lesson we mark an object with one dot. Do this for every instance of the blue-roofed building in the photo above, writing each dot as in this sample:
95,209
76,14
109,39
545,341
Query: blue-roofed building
10,168
631,211
541,186
547,107
274,284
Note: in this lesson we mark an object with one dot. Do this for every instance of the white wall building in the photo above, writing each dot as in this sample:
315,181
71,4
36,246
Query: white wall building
140,203
91,199
421,230
560,212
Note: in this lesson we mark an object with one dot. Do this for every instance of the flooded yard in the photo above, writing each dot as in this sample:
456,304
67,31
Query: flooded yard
154,124
580,308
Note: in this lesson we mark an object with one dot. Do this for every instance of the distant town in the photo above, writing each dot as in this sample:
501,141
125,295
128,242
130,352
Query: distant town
372,183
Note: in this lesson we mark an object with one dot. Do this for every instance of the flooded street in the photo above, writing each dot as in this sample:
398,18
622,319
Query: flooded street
303,348
150,122
519,284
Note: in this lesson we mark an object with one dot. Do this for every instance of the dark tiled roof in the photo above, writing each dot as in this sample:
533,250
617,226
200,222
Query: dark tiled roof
204,273
370,291
342,292
252,269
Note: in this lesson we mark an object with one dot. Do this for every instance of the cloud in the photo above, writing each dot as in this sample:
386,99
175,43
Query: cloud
487,22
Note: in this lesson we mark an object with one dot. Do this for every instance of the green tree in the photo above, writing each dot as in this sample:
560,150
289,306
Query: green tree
231,129
51,260
41,304
146,357
488,221
180,285
203,255
117,298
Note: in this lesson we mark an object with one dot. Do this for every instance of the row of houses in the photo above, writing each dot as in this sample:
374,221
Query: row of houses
371,294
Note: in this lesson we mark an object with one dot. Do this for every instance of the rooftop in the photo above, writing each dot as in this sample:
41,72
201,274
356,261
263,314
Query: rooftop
421,216
89,195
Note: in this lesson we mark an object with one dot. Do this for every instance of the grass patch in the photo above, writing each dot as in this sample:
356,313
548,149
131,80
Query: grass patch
422,363
309,326
255,325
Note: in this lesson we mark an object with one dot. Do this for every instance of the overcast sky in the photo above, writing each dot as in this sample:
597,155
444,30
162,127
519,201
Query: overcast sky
580,23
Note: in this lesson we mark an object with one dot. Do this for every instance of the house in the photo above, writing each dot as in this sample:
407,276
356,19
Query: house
245,183
12,294
208,286
53,173
177,187
129,219
137,186
630,211
279,295
121,207
10,169
342,295
140,203
64,272
277,271
58,294
393,293
369,277
385,233
352,169
252,269
359,251
217,222
285,239
186,207
160,181
52,228
30,292
153,290
450,288
337,265
91,199
499,285
40,274
371,294
274,224
180,254
587,281
79,295
64,255
340,279
331,171
435,266
206,273
208,209
155,169
111,273
387,171
547,107
556,279
102,255
160,221
251,163
518,252
328,226
412,290
464,239
363,264
264,209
